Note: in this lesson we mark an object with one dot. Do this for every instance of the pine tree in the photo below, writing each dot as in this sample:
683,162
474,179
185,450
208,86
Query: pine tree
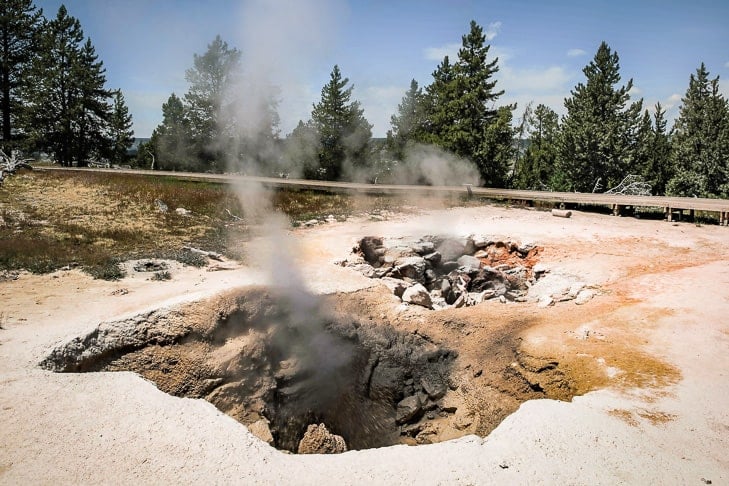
52,90
212,79
19,22
475,95
120,133
462,116
700,144
536,167
93,111
599,131
408,123
344,133
656,150
438,98
68,106
171,141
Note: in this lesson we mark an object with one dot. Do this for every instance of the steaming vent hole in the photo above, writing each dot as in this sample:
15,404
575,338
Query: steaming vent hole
301,379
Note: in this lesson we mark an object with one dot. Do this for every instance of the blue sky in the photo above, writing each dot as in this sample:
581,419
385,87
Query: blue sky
147,45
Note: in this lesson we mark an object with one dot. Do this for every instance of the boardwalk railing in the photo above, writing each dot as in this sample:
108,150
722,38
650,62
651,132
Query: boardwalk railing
672,206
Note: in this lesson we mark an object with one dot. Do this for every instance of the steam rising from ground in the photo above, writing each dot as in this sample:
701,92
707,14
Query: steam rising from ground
427,164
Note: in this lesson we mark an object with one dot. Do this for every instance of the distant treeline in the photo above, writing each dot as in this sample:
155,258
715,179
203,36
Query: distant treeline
54,100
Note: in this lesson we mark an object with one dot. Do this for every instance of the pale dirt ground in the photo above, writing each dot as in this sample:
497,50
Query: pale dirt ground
654,343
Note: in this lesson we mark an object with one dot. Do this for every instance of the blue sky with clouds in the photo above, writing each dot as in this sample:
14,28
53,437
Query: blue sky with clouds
542,46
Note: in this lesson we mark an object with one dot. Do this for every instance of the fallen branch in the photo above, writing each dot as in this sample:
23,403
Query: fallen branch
210,254
561,213
237,218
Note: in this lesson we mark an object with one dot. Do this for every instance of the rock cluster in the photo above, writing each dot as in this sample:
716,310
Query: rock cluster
438,272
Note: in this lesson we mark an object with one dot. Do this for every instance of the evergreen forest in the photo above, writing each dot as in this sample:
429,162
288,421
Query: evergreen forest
54,100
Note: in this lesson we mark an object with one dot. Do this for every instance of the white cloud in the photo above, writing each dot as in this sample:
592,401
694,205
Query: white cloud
503,53
534,80
492,30
438,53
726,64
379,103
635,92
451,50
576,52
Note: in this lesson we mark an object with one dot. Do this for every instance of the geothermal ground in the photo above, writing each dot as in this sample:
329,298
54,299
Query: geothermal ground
629,387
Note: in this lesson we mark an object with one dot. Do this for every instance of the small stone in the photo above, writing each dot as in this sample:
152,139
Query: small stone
539,269
418,295
481,254
411,267
481,242
183,212
423,247
435,389
433,258
449,266
469,263
396,285
262,430
502,299
318,440
408,408
369,246
584,296
160,205
545,301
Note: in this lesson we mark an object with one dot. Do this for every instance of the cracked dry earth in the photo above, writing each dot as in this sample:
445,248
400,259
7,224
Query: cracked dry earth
629,387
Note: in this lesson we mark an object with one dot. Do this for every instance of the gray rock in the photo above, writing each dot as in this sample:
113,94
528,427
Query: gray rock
395,285
150,266
423,247
408,408
411,267
433,258
449,266
452,249
365,269
418,295
482,241
435,389
469,263
368,246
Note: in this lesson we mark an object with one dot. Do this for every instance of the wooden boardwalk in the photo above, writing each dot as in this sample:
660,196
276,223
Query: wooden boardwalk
673,207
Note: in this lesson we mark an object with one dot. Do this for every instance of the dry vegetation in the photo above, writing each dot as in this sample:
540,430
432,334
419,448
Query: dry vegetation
49,220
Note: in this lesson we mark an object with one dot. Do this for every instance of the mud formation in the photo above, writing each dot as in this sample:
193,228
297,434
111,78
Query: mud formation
438,272
276,361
